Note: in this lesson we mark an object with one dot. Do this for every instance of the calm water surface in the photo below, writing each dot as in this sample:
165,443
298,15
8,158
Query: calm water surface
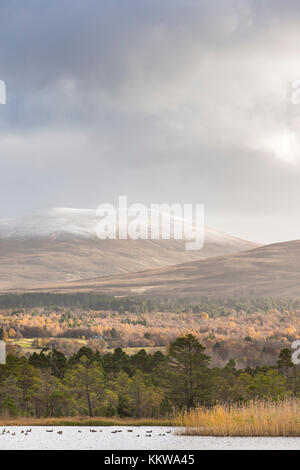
80,438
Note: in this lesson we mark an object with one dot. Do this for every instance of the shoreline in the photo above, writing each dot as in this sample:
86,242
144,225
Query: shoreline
83,421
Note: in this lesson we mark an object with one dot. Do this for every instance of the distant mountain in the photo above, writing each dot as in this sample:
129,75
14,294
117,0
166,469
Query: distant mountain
272,270
61,245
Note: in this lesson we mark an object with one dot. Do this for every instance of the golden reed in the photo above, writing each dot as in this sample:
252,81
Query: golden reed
256,418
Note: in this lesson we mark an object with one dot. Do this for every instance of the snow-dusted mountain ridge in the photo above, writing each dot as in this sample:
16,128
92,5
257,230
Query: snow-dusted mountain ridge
63,222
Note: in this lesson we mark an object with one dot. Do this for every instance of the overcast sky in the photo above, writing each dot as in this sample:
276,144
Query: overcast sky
162,101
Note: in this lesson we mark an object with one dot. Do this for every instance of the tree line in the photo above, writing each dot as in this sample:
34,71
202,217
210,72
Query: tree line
142,385
95,301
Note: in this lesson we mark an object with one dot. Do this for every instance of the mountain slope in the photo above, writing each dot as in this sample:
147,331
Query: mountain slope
272,270
61,245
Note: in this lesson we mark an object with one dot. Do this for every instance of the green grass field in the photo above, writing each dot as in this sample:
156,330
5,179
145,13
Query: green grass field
148,349
26,345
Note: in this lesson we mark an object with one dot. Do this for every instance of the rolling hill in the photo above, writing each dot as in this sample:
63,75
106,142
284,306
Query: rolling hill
271,270
60,245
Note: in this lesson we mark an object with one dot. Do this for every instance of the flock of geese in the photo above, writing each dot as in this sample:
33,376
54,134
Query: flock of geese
148,433
26,432
7,431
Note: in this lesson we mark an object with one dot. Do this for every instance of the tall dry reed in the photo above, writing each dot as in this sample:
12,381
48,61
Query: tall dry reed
257,418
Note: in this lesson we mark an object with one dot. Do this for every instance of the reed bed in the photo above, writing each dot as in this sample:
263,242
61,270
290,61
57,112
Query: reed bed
84,421
257,418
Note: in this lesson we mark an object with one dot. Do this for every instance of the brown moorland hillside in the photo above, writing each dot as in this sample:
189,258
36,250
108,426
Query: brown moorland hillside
61,246
272,270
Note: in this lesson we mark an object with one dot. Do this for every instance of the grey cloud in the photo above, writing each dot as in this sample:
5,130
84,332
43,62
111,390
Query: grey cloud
163,101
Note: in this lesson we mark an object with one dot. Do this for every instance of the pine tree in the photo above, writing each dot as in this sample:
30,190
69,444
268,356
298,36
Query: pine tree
188,371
